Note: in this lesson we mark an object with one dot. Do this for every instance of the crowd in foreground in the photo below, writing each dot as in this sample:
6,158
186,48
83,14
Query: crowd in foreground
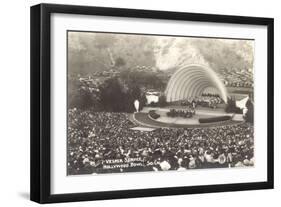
97,137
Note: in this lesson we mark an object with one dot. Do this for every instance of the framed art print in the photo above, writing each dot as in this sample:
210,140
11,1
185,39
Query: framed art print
132,103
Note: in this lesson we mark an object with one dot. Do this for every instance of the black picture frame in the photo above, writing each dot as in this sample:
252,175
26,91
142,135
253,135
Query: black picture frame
41,98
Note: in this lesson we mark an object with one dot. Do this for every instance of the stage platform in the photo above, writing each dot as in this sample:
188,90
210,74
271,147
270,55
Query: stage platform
202,111
143,119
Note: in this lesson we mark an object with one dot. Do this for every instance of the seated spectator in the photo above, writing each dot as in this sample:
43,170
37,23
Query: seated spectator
96,137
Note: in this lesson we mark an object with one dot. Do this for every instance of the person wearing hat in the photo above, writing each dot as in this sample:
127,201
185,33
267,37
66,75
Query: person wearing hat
222,159
164,165
192,163
180,162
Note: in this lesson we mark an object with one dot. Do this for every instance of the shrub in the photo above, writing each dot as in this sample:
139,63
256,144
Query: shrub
162,101
232,108
153,104
249,116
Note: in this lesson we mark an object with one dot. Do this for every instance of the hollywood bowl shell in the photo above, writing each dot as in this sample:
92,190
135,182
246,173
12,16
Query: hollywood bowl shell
191,81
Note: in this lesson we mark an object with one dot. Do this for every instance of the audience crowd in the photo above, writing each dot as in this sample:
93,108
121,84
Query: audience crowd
237,78
98,138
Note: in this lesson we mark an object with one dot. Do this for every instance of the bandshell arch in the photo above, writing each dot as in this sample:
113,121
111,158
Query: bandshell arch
191,80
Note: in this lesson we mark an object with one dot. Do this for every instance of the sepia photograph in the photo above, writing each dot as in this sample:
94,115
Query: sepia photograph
128,103
148,103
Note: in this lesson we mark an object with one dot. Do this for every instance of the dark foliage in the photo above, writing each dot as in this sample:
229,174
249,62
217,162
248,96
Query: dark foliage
115,97
231,107
249,116
119,62
81,97
162,101
146,79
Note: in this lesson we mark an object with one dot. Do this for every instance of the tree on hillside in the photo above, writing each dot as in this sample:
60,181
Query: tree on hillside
249,116
231,106
117,97
119,62
112,95
143,78
135,93
79,96
162,101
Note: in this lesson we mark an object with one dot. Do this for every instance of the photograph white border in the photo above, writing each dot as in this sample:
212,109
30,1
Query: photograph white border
61,183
